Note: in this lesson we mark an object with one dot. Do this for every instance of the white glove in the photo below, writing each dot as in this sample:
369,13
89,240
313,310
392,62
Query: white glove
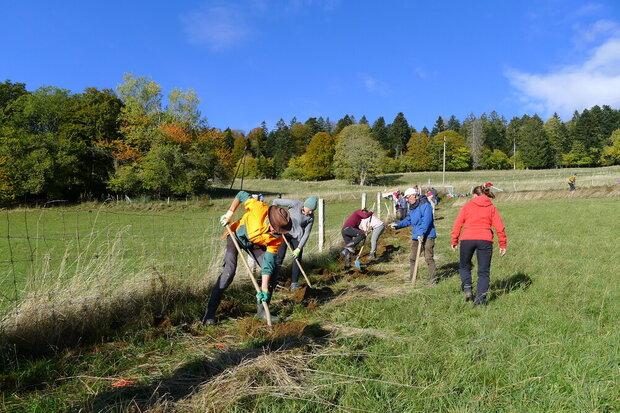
393,225
225,219
420,238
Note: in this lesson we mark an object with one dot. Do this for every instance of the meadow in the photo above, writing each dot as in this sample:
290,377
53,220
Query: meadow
370,342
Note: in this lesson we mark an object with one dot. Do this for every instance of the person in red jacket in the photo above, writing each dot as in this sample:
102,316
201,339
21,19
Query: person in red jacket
352,234
478,216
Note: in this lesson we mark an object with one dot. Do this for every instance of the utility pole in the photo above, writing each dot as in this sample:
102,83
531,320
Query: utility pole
443,178
514,153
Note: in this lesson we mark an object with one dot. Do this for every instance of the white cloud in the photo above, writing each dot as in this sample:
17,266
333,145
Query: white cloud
595,82
218,27
374,85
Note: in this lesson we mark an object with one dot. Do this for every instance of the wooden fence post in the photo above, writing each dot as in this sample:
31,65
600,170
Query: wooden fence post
379,205
363,200
321,223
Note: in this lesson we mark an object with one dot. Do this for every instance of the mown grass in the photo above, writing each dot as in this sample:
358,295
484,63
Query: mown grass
546,342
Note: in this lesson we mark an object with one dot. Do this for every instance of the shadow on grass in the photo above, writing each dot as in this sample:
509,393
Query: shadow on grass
388,180
518,281
187,379
448,270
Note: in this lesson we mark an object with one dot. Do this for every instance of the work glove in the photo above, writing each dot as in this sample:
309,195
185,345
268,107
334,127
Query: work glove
420,238
393,225
225,219
262,297
296,253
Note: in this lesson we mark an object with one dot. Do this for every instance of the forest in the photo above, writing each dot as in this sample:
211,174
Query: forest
56,144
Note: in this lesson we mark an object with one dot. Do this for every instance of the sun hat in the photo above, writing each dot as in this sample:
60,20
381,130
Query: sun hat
280,219
410,191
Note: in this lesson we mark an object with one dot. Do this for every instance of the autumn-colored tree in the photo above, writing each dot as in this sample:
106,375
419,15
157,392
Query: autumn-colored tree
418,157
611,154
318,160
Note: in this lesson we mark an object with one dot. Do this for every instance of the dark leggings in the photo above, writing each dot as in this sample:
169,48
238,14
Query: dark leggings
352,236
484,252
282,253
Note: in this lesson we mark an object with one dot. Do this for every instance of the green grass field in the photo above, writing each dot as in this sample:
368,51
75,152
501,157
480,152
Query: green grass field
547,341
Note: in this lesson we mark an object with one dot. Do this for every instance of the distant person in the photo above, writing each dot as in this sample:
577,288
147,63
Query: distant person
352,234
571,182
377,227
431,200
477,217
302,216
422,224
435,195
401,207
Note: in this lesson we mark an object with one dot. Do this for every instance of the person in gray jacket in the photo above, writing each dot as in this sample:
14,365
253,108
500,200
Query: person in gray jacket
302,216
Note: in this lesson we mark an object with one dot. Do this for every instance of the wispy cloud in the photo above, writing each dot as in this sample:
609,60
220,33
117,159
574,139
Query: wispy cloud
375,85
217,27
602,29
575,87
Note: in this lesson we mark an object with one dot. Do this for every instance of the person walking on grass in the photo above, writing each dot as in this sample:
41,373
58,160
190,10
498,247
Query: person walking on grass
302,216
259,232
421,220
377,227
477,217
571,182
352,234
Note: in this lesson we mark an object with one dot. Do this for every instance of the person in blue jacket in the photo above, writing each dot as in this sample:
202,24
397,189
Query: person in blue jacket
421,220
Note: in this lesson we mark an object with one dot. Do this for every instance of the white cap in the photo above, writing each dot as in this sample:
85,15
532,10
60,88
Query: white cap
410,191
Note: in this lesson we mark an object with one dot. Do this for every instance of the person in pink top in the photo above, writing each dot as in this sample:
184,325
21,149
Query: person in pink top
476,218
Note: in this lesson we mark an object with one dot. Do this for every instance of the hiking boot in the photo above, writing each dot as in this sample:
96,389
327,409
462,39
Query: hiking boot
350,249
208,321
480,301
372,256
294,286
260,314
469,296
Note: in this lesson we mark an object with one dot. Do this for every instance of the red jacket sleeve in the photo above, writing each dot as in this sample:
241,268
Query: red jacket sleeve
458,224
498,224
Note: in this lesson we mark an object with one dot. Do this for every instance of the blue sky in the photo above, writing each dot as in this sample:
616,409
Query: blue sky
255,60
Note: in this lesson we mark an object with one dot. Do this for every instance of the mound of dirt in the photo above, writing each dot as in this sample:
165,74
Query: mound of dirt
305,293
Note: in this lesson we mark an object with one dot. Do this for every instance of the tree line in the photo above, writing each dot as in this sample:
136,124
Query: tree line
55,144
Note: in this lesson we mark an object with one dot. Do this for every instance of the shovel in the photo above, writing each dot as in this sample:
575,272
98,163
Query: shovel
297,261
256,287
357,260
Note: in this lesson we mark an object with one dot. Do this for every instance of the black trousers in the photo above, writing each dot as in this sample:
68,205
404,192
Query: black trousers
484,252
352,236
282,253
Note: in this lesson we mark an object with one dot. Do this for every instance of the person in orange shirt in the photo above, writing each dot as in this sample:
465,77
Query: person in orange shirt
477,217
259,232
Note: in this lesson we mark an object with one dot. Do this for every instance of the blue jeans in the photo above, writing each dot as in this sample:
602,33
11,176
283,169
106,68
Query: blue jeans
484,252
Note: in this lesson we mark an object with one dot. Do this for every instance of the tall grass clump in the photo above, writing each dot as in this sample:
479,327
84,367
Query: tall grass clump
91,296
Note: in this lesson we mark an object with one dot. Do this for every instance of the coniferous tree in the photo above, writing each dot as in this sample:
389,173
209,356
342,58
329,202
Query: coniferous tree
558,138
535,151
425,131
380,133
439,126
453,124
343,123
363,120
398,135
495,132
